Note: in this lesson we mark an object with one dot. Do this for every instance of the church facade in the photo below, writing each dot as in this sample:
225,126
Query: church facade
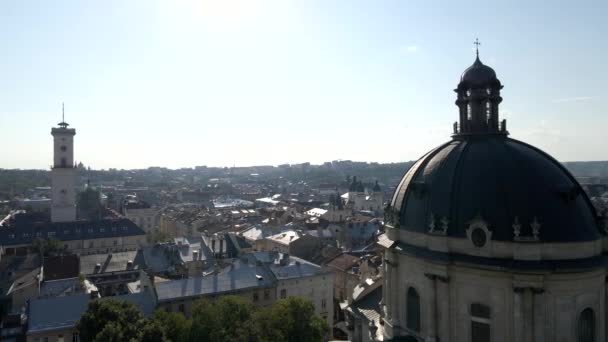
491,239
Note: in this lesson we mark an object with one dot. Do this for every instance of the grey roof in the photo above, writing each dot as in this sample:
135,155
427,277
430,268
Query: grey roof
111,262
240,277
56,313
499,179
21,234
144,301
54,288
369,305
294,268
157,259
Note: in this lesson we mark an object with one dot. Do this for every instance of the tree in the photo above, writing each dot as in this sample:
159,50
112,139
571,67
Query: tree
46,247
176,326
89,205
205,323
291,319
110,320
154,331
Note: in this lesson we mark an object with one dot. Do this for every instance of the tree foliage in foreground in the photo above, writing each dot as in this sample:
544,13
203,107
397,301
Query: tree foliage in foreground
229,318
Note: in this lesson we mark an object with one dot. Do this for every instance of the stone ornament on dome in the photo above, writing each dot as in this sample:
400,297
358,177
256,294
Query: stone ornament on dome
535,228
444,225
516,228
534,231
432,224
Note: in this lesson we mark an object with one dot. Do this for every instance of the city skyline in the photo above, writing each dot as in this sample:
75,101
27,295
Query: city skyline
186,83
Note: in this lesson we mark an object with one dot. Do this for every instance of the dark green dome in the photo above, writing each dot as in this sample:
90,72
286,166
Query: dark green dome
501,180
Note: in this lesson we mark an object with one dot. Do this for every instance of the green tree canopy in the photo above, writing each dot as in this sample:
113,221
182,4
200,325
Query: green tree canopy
46,247
111,320
89,205
176,326
291,319
227,319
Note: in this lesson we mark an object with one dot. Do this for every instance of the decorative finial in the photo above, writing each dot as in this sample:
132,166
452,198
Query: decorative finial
477,43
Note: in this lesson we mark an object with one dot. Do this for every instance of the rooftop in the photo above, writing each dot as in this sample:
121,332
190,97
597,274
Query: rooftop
23,234
240,277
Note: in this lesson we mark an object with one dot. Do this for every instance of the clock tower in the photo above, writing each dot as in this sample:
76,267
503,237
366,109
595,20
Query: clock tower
63,200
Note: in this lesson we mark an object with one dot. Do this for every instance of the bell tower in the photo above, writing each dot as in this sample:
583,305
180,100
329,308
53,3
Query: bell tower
478,97
63,197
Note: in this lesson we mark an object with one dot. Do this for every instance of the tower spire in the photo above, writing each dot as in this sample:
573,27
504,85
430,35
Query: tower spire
477,43
63,124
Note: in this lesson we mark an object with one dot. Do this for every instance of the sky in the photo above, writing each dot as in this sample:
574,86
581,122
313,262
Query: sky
180,83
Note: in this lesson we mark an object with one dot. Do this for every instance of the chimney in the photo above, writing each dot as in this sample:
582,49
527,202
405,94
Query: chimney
221,247
213,245
129,264
285,259
195,255
97,268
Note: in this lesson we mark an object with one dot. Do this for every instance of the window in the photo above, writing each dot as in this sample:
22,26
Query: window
180,308
469,112
585,328
283,293
267,294
413,310
480,323
323,303
90,244
60,338
256,296
64,162
488,110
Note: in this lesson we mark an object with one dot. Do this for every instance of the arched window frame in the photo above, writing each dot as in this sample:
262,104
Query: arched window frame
481,322
586,331
413,311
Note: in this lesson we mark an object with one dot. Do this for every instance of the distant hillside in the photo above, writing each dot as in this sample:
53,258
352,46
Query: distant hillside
588,169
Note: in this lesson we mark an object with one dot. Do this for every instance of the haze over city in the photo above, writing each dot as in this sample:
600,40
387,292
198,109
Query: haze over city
185,83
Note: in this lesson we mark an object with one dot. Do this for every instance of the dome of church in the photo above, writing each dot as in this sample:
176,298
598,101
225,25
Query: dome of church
478,74
502,181
516,191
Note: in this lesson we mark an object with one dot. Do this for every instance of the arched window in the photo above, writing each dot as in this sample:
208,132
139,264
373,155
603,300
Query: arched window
413,310
488,111
586,326
480,323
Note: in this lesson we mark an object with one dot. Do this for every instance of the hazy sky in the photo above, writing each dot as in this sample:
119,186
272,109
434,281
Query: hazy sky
183,83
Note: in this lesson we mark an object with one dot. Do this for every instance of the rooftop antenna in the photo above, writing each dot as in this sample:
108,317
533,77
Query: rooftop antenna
63,124
477,43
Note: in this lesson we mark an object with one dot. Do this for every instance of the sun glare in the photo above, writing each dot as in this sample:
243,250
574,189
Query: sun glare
222,15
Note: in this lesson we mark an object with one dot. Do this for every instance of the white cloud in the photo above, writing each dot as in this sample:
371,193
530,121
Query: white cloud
412,48
574,99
